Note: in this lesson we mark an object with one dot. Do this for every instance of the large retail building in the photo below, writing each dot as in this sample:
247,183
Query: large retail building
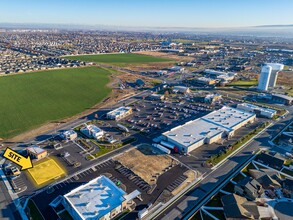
208,129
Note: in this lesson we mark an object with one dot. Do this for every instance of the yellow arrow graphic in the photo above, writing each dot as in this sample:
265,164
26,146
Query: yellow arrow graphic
24,162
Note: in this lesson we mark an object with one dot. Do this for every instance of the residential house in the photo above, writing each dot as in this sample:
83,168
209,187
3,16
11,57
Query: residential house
237,207
271,161
249,188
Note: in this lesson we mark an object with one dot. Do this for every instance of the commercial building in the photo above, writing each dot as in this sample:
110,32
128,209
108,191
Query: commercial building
156,97
259,111
119,113
181,89
282,99
212,98
205,81
208,129
223,76
98,199
92,131
69,135
36,152
268,76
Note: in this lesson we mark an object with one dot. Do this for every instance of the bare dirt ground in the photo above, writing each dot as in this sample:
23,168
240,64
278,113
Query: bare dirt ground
166,55
145,166
157,65
150,66
285,78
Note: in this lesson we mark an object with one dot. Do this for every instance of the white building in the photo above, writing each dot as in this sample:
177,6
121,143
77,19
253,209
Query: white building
263,83
208,129
98,199
119,113
69,135
92,131
265,112
181,89
268,76
276,67
228,76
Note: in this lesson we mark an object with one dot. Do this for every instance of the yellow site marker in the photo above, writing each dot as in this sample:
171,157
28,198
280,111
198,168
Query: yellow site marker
24,162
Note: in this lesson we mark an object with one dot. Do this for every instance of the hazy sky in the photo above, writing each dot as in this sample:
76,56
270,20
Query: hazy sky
153,13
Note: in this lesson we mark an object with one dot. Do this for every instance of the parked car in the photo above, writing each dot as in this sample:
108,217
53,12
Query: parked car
15,171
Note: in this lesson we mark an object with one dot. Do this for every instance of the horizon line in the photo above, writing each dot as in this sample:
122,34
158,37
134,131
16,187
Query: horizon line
139,27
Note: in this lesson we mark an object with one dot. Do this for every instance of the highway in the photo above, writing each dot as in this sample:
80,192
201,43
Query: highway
184,207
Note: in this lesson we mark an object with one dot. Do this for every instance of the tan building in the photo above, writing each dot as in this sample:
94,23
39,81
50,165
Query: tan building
36,152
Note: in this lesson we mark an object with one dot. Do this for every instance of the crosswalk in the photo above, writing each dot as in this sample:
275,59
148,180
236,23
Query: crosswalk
176,183
18,184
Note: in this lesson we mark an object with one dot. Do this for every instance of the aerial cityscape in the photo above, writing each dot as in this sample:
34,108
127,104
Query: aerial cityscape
147,110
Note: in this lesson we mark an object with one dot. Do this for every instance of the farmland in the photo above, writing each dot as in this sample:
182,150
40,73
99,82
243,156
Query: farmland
32,99
121,59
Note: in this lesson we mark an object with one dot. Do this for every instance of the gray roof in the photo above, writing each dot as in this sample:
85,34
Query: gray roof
233,207
289,98
222,120
263,178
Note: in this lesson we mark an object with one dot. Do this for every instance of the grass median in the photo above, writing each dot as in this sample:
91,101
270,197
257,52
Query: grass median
104,149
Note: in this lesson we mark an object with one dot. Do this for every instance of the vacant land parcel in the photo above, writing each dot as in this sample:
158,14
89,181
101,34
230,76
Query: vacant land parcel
121,59
144,163
32,99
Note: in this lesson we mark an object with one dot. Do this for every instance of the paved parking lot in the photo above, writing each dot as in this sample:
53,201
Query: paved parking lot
18,184
198,156
108,168
155,117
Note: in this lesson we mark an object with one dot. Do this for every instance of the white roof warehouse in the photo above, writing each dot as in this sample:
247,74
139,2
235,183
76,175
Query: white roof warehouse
208,129
98,199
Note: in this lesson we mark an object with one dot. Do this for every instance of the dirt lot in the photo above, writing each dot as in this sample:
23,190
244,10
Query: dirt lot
159,65
285,78
145,164
166,55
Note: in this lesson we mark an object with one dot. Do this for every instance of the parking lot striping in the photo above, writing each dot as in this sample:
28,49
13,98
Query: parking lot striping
83,149
46,171
190,155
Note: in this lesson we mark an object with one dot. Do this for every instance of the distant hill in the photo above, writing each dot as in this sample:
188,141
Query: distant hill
274,26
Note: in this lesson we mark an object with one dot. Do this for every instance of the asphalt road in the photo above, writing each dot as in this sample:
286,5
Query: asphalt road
7,209
6,206
186,203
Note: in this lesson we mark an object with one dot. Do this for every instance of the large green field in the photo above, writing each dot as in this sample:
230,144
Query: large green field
119,59
32,99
